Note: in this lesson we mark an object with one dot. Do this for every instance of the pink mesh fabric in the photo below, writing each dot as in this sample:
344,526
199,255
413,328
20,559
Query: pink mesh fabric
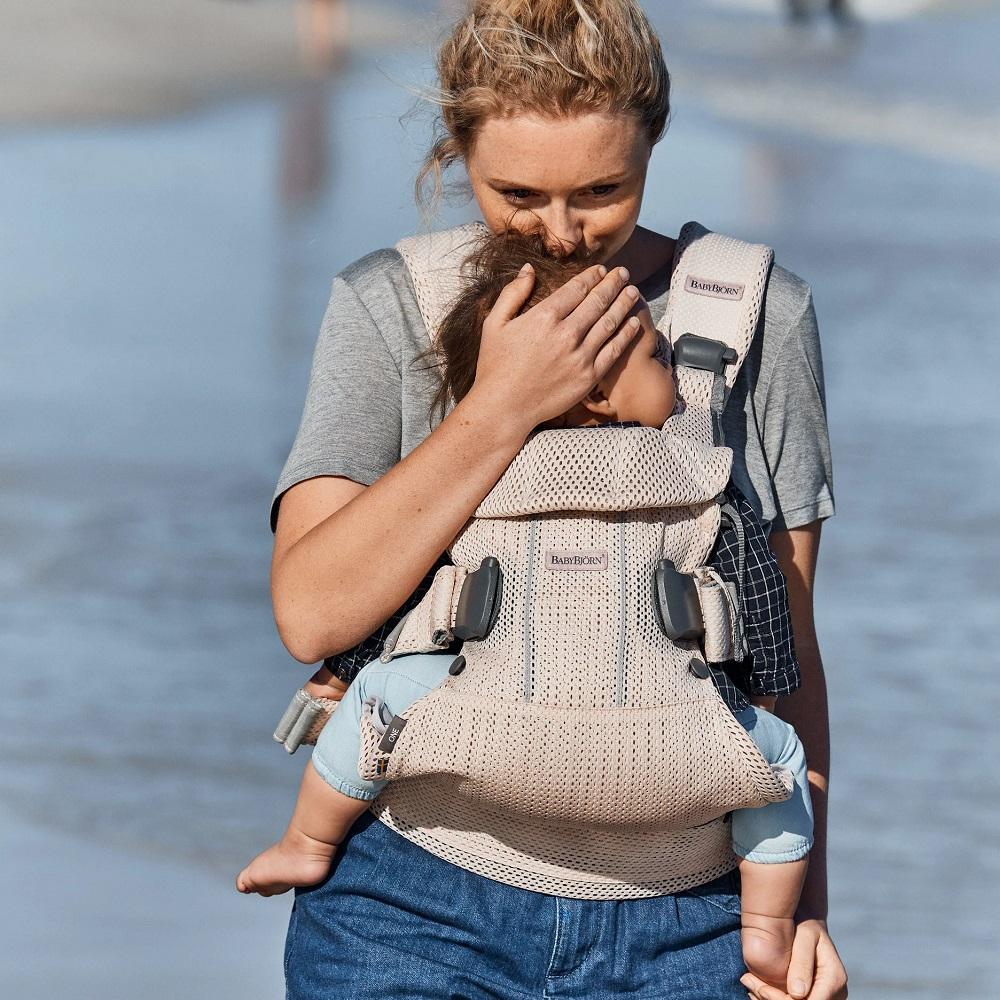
577,753
576,711
590,468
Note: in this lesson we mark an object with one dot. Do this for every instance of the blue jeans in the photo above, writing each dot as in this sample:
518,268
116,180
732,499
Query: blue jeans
394,922
779,831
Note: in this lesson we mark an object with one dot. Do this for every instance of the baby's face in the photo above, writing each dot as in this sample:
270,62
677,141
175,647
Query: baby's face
641,384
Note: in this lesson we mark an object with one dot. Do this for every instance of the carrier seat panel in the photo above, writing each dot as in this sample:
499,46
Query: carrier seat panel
646,768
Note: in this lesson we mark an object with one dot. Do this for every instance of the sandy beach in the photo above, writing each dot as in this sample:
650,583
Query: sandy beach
70,63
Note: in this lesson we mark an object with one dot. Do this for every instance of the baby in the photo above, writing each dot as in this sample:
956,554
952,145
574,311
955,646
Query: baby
772,841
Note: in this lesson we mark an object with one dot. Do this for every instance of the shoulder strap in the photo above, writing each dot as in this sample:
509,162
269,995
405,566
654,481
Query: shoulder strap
434,262
716,293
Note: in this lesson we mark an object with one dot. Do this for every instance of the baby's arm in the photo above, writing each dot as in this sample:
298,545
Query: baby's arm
323,684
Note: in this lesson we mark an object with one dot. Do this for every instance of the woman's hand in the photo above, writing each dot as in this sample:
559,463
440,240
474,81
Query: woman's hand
815,964
323,684
537,365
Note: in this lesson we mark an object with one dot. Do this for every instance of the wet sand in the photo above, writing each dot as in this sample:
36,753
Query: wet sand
67,62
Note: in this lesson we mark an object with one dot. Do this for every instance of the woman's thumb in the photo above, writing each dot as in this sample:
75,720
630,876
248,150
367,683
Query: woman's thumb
515,293
802,967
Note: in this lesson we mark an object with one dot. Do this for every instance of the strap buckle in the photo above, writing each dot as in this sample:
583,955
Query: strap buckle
693,351
678,610
479,601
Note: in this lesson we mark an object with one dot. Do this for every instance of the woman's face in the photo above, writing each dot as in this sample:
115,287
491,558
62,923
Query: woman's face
582,177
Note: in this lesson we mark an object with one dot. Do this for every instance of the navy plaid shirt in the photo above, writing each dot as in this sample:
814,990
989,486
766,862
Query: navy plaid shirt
770,668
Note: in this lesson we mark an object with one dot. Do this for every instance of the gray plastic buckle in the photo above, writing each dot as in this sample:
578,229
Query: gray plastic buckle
479,601
678,610
693,351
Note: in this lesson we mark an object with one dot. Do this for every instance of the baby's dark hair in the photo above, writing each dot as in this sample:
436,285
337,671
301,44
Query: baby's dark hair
495,261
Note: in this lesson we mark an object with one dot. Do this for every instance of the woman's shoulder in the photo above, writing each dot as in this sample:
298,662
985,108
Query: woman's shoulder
384,283
375,291
380,271
372,271
788,296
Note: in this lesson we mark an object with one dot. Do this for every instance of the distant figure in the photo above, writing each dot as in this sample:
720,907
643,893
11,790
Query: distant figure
801,11
322,28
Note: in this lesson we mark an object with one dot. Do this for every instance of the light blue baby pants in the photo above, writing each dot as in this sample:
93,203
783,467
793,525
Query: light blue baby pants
779,831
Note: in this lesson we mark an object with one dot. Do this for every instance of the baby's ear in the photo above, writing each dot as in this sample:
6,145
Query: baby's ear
597,403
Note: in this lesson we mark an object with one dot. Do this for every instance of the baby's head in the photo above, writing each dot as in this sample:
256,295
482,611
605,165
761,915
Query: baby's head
640,385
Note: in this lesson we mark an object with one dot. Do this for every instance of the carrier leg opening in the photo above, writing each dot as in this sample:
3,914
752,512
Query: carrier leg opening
778,832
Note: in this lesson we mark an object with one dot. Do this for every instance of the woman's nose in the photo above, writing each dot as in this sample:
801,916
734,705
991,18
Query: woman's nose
563,232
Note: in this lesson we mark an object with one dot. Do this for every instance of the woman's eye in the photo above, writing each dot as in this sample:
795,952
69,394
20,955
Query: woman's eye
521,194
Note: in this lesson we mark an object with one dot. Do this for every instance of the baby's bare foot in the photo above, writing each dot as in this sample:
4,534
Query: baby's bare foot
767,946
296,860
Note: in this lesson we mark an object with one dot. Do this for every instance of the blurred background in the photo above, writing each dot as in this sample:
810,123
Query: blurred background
180,181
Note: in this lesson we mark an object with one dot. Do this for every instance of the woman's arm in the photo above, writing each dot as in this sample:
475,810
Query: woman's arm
815,961
806,709
346,556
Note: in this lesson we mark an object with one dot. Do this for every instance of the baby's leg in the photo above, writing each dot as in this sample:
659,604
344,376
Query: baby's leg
773,842
332,794
319,823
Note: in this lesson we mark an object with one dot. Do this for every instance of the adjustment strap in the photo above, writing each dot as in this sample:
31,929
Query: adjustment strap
696,418
428,627
711,358
303,720
719,614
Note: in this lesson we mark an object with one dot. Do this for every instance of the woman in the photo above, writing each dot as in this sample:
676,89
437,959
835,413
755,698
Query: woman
554,108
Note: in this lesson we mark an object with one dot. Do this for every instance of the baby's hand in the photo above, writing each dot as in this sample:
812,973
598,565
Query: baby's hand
323,684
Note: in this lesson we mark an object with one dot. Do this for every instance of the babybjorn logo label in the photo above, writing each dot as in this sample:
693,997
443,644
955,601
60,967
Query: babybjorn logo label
576,558
717,289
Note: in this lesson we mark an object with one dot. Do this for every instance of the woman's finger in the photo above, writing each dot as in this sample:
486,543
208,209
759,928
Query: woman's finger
802,967
515,293
615,347
831,976
608,324
594,281
759,990
598,301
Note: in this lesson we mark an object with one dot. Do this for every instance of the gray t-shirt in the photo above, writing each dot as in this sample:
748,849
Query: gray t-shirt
367,404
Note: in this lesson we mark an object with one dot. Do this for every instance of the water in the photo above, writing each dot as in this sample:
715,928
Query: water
161,293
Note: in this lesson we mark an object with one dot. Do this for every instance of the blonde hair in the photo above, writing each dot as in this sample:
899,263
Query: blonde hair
555,57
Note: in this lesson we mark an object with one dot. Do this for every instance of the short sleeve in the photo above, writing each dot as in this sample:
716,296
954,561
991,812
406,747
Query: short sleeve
351,421
794,432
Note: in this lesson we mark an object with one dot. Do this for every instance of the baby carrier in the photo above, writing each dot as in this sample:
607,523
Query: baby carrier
578,746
